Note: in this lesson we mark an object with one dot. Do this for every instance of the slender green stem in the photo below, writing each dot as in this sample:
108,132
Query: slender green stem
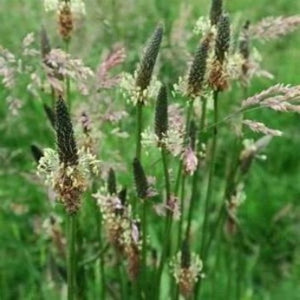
196,174
139,126
67,79
168,223
182,206
209,184
144,246
71,265
188,119
210,176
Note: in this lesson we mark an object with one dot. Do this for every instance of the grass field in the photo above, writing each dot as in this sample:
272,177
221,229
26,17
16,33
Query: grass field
270,217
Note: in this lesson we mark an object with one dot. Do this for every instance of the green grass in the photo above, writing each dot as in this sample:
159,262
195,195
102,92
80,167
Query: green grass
273,268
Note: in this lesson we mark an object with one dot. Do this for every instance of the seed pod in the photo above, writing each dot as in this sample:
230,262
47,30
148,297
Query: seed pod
50,114
65,21
216,10
198,68
67,149
45,43
147,64
185,255
223,38
161,113
111,182
140,179
37,153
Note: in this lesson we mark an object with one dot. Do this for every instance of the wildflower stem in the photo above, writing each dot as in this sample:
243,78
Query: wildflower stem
144,245
182,211
209,184
71,256
210,175
139,115
68,84
168,223
196,174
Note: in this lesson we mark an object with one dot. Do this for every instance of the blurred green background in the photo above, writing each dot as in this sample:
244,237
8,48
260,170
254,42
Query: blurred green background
272,187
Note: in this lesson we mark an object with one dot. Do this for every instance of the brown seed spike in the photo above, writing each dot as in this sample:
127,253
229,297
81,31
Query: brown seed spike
140,179
37,153
66,144
223,38
147,64
65,21
161,113
198,68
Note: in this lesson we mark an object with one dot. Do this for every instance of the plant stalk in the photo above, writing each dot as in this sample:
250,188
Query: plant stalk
139,116
71,265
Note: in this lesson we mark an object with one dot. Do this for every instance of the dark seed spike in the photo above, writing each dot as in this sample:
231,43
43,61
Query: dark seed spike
185,255
123,195
244,45
216,11
140,179
197,71
45,43
67,149
50,114
192,134
36,152
161,113
111,182
223,38
147,63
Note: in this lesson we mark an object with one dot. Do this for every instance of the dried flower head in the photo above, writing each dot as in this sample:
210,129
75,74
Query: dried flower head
219,78
65,21
198,68
140,179
187,269
161,113
145,70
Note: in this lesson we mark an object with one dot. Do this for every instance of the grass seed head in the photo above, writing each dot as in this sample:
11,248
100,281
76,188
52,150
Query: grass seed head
65,21
197,71
161,113
111,182
216,10
223,38
66,144
145,70
140,179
